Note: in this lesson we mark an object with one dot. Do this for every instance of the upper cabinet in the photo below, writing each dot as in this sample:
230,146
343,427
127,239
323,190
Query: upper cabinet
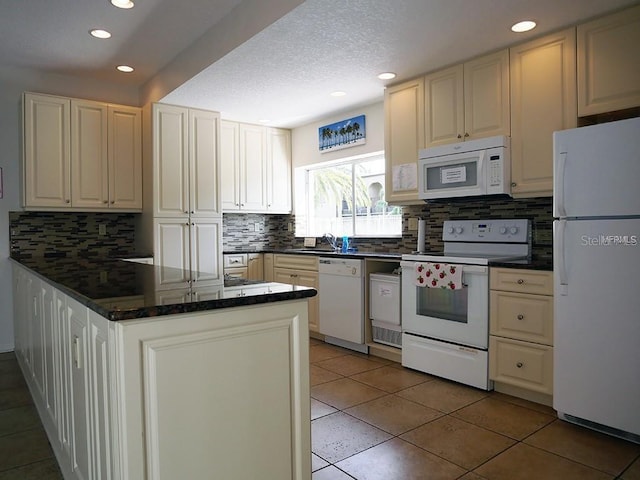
468,101
186,167
543,100
609,63
403,137
81,155
256,168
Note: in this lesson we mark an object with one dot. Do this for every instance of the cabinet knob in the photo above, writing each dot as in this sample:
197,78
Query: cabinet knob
520,317
514,184
186,212
67,201
520,281
112,202
466,134
519,364
459,136
105,201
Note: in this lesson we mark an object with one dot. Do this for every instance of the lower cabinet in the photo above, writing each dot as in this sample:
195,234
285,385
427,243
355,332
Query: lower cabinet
244,265
300,270
521,331
155,398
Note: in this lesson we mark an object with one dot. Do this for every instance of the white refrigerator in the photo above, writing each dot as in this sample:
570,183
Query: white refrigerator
596,208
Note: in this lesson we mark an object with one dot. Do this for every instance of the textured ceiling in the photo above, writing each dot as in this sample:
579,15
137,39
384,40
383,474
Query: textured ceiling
284,72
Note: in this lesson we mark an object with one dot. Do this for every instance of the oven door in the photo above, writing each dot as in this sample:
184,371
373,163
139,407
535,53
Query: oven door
457,175
457,316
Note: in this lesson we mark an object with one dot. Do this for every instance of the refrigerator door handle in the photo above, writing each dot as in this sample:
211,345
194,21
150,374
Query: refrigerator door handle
558,196
562,266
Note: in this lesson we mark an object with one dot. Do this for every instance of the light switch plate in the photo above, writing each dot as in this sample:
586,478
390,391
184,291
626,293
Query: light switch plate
309,241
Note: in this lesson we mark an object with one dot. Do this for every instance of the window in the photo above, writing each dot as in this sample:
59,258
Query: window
345,197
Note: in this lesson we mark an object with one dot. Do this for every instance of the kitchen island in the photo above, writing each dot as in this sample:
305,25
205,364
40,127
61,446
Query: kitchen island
134,379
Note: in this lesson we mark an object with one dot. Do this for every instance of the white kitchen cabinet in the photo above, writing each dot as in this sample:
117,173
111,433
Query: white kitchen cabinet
244,265
186,167
256,168
187,201
81,155
468,101
403,137
47,151
543,100
278,170
521,332
608,63
300,270
193,246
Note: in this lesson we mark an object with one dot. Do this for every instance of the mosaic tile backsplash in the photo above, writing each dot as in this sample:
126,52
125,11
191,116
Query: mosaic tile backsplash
55,234
240,235
67,234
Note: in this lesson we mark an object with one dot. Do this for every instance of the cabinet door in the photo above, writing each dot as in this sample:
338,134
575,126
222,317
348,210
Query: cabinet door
47,151
230,165
444,106
255,270
171,251
170,161
543,100
403,137
79,386
486,96
311,279
253,168
278,170
50,331
38,366
268,267
98,365
125,157
89,164
206,250
608,63
204,164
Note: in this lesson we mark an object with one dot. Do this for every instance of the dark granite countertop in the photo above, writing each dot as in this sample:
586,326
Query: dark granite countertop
536,262
100,284
324,253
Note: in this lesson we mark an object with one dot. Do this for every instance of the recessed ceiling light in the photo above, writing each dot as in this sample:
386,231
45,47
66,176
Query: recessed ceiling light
125,68
338,93
523,26
387,76
122,3
98,33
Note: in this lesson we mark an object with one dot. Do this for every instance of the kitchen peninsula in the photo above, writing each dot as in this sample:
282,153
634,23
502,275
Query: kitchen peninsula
133,379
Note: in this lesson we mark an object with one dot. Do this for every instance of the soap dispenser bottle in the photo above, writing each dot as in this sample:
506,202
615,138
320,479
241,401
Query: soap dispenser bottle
345,244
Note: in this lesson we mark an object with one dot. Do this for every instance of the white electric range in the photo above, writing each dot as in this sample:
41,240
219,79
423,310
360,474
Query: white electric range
445,326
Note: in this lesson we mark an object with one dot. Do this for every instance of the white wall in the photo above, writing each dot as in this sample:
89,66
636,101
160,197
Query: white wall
12,83
304,140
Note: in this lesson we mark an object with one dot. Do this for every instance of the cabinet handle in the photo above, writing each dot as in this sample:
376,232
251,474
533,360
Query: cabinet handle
520,317
112,202
67,201
105,201
76,351
519,364
466,134
459,136
514,184
520,281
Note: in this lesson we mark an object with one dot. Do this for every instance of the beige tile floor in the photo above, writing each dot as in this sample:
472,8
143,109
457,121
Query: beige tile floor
373,419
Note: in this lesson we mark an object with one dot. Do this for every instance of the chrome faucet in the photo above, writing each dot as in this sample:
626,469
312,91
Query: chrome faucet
331,240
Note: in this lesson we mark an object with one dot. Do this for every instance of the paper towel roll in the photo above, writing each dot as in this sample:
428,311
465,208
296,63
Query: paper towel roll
422,233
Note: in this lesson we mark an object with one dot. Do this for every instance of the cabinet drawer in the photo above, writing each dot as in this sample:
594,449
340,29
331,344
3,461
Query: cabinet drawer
524,281
521,364
298,262
522,316
234,260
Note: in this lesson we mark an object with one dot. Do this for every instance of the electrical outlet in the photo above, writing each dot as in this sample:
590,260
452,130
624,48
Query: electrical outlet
102,229
290,227
413,223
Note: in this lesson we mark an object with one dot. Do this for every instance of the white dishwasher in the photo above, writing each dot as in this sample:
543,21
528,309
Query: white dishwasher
341,292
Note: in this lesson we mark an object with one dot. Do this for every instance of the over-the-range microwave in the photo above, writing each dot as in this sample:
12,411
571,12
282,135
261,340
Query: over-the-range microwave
465,169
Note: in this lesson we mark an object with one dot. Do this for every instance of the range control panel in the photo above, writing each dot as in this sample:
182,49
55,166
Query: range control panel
494,231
